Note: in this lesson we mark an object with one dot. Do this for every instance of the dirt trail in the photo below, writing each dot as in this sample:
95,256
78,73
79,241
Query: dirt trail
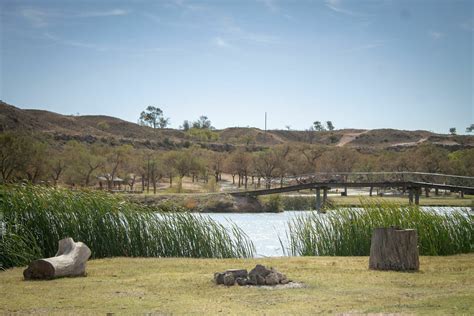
349,137
409,144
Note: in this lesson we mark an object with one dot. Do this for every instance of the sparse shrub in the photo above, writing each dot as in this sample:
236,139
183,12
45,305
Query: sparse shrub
103,125
298,203
212,185
273,204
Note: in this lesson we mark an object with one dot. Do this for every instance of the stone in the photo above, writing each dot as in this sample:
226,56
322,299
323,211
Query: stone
241,281
260,275
219,278
229,279
272,279
260,270
238,273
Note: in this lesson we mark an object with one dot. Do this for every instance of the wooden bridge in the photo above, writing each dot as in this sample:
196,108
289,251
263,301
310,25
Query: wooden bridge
410,182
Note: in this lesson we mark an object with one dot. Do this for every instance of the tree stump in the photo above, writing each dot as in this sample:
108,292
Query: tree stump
394,249
70,260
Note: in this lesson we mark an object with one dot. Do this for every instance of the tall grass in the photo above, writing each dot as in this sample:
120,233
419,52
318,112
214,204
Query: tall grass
347,231
34,218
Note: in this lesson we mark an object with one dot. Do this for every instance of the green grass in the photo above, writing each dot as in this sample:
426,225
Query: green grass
165,286
308,202
467,201
347,231
35,218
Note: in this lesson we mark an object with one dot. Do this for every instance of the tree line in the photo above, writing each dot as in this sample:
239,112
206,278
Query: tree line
25,158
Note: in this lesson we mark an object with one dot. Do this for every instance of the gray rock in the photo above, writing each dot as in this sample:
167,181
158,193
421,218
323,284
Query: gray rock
251,281
260,280
238,273
241,281
272,279
229,279
260,270
219,278
258,274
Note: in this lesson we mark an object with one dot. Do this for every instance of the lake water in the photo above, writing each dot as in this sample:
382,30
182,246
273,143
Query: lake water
266,229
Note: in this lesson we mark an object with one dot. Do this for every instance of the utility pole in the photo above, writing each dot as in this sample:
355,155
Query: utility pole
265,134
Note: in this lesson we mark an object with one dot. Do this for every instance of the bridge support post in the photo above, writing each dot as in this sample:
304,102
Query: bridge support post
417,196
318,200
325,196
410,196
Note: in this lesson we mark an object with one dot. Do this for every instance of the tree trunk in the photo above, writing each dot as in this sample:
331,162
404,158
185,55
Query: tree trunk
394,249
70,260
371,190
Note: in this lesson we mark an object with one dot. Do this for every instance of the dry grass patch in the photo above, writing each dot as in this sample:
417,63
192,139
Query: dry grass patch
445,285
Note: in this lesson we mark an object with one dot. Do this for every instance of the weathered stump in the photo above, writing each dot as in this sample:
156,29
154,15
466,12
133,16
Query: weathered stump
70,260
394,249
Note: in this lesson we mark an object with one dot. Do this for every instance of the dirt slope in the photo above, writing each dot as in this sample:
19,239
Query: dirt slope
108,129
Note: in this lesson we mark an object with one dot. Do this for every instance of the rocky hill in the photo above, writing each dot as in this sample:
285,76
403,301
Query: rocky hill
115,131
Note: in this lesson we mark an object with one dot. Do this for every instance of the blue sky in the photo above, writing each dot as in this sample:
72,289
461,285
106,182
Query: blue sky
361,64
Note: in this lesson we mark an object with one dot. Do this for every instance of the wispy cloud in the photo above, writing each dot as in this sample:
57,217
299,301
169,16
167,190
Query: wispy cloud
113,12
468,25
274,8
270,5
104,48
436,35
220,42
37,17
368,46
43,17
74,43
337,6
238,33
188,6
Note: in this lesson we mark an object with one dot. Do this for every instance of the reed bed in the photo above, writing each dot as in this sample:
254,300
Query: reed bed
34,218
347,231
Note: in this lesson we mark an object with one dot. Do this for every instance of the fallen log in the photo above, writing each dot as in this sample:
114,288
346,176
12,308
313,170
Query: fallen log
70,260
394,249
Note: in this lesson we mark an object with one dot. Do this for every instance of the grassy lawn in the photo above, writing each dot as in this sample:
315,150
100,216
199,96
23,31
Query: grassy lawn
444,285
467,201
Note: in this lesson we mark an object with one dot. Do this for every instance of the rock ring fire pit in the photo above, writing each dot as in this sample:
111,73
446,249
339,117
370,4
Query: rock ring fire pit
258,276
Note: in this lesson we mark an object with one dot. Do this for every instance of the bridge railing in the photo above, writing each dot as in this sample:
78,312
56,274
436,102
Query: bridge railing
371,177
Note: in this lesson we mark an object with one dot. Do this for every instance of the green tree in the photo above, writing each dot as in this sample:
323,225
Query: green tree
56,164
318,126
186,125
203,123
470,128
115,159
462,162
452,131
14,152
83,161
329,126
37,164
153,117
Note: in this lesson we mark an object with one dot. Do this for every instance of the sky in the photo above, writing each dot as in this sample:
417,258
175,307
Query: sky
360,64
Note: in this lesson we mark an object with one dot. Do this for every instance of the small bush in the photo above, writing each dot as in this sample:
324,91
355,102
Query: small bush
273,204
